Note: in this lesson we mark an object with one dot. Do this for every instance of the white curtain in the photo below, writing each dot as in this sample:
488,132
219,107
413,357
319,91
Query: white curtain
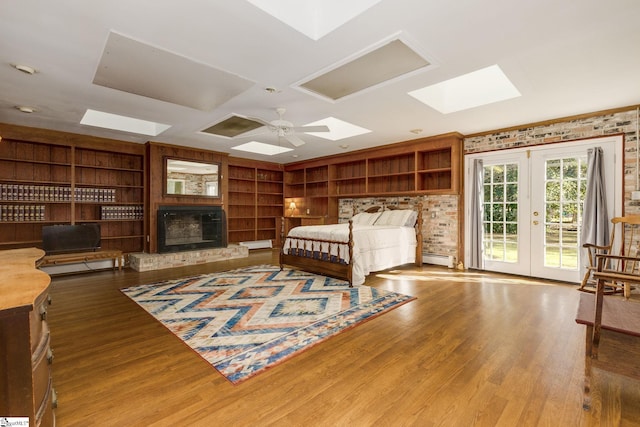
595,217
476,215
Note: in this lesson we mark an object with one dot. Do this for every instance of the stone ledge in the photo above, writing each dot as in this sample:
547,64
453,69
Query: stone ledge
147,262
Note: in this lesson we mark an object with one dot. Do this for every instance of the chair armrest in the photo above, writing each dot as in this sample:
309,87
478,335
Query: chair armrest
612,274
594,246
601,257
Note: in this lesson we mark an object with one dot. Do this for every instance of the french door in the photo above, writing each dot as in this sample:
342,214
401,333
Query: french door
532,203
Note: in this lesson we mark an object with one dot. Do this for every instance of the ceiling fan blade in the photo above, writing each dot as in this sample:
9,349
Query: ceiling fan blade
311,129
294,140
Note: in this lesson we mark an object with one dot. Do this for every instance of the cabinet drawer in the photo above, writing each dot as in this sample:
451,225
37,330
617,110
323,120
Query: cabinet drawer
41,363
37,320
47,417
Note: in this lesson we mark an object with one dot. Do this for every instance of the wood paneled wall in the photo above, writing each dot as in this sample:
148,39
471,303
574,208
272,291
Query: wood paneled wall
156,155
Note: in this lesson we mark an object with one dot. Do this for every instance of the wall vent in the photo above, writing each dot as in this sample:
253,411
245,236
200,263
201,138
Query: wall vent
233,126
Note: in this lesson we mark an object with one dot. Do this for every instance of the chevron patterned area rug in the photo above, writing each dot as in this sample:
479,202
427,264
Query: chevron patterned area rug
245,321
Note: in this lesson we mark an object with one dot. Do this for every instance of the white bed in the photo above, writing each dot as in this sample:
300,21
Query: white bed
369,242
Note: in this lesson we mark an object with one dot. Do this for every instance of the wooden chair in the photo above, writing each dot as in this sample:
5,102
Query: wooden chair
628,230
613,324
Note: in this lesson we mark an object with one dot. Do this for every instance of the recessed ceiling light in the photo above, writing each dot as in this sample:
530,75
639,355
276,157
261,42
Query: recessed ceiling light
416,131
261,148
481,87
24,68
338,129
25,109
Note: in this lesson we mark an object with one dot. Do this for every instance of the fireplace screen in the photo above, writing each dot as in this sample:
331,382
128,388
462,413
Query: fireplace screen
182,228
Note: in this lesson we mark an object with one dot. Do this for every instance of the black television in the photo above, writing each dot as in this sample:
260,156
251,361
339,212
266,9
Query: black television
65,238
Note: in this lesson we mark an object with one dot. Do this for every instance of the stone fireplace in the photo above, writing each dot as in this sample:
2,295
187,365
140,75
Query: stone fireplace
187,228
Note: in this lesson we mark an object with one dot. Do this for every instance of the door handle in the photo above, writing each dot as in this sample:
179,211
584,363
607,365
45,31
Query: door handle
535,222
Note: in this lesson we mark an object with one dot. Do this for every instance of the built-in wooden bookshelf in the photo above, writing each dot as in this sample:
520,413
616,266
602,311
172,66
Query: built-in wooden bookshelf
308,189
425,166
349,178
255,200
435,169
58,180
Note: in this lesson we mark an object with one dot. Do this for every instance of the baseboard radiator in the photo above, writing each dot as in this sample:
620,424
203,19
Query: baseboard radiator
446,260
257,244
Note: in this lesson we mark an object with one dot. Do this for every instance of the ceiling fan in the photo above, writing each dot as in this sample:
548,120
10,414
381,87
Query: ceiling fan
285,129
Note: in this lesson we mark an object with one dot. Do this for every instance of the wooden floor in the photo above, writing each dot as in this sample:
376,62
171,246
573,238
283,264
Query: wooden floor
473,349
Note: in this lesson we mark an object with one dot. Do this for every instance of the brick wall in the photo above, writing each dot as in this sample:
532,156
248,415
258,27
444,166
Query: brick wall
622,122
439,218
442,235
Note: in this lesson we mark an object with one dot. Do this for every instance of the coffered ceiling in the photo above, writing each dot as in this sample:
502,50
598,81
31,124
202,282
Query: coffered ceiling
199,72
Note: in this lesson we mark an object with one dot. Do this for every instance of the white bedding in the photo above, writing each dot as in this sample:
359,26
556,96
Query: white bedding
375,247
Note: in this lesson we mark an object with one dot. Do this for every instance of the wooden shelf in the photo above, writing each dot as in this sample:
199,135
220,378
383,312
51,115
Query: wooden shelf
68,174
255,200
412,168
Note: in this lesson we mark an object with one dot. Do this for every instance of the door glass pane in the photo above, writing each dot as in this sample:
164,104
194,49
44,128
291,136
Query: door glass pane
552,247
501,212
497,251
569,257
565,185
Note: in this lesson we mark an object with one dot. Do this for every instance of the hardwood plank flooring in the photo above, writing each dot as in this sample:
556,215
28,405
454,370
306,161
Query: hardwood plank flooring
473,349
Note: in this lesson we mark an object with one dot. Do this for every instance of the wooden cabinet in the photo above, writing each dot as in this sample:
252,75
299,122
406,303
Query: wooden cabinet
50,183
26,388
421,167
255,201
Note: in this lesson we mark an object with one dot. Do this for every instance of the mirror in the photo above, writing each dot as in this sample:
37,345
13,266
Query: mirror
190,178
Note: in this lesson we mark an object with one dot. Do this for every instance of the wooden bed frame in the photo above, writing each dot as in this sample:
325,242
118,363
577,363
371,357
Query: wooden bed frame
337,269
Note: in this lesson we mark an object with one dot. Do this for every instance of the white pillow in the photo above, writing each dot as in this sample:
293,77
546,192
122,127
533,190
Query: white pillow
411,219
398,218
364,218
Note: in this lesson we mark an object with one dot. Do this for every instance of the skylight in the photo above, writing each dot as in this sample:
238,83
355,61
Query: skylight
123,123
314,18
481,87
338,129
261,148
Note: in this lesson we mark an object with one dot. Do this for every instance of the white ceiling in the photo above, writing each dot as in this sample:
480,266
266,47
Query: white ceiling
566,57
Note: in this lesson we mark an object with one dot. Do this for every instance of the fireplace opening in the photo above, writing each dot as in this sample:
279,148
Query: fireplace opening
184,228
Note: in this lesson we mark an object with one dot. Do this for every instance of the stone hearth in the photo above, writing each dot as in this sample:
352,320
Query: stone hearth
148,262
